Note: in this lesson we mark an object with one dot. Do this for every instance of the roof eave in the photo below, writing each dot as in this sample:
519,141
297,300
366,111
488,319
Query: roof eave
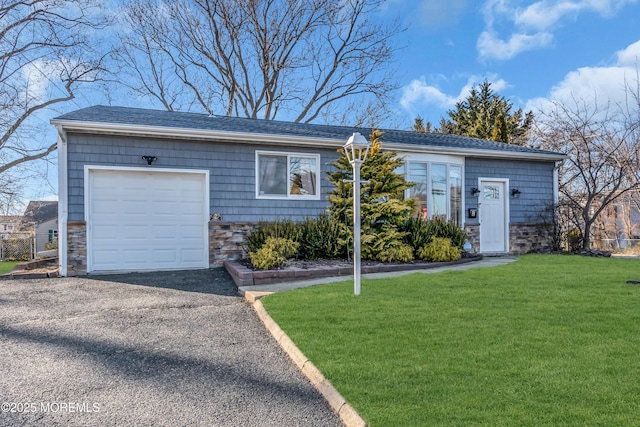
474,152
304,141
202,134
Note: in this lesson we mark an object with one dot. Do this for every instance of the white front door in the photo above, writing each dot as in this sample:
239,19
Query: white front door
492,206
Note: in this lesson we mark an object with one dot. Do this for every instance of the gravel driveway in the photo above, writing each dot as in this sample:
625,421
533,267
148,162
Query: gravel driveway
152,349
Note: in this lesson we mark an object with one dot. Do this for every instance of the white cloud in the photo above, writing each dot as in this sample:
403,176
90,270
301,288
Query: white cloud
419,94
531,27
630,56
545,14
542,15
490,46
595,84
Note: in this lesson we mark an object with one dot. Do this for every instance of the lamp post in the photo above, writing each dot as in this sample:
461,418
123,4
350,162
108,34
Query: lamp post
356,149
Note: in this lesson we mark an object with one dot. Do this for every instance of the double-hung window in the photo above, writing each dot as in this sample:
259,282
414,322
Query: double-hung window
287,175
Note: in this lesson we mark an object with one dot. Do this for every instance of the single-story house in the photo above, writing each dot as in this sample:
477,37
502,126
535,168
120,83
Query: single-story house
146,190
41,219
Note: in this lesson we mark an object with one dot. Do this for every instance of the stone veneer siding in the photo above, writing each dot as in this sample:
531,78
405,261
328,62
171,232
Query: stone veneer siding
529,237
523,237
473,236
76,248
228,241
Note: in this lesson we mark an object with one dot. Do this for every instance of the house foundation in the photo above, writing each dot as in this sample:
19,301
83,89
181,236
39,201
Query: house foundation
228,241
523,237
76,248
529,237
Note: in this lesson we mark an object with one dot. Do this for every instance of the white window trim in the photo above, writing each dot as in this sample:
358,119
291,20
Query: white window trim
288,196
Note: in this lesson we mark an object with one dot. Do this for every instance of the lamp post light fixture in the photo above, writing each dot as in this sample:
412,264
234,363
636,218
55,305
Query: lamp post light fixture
356,149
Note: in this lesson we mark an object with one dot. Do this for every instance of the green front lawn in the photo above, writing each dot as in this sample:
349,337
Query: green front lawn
7,266
548,340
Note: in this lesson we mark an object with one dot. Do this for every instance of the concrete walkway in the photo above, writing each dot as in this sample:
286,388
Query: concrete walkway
251,293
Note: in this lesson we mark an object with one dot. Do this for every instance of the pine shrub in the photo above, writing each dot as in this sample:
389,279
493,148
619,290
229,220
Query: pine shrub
320,238
273,253
384,207
395,251
439,249
574,240
285,229
421,232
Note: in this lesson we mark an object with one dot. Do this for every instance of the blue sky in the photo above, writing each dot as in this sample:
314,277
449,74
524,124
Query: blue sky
531,51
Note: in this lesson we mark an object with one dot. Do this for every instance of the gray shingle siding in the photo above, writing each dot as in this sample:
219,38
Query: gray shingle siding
232,176
198,121
231,172
533,179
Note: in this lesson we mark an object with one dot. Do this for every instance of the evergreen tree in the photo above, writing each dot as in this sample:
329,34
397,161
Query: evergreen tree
383,206
500,132
479,114
420,126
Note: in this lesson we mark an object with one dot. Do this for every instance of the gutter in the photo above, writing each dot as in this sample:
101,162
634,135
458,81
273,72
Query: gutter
276,139
63,201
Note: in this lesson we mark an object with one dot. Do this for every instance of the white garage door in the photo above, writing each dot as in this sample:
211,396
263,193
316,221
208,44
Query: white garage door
146,220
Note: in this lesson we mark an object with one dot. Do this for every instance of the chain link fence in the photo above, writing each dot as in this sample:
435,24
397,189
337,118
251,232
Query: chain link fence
17,247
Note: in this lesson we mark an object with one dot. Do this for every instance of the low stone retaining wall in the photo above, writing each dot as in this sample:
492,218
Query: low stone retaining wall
243,276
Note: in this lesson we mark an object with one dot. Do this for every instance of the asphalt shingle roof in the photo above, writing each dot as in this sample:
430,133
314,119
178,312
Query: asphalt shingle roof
197,121
39,211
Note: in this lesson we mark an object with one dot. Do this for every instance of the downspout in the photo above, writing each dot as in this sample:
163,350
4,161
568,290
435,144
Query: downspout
63,201
556,182
556,197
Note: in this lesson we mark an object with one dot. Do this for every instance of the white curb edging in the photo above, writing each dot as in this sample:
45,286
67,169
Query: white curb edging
340,406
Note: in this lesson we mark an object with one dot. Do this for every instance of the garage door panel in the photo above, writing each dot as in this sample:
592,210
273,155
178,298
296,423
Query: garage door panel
190,256
141,220
163,256
188,232
135,232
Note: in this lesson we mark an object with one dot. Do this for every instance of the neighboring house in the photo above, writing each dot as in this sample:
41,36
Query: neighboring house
41,219
148,190
618,226
9,226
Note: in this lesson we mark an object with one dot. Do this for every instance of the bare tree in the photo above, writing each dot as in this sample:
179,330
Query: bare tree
258,58
602,143
45,53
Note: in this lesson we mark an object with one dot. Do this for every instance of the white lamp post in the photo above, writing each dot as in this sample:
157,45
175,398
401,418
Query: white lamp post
356,148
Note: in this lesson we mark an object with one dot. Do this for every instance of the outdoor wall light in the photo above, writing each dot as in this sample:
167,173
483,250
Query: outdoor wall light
149,159
475,191
515,193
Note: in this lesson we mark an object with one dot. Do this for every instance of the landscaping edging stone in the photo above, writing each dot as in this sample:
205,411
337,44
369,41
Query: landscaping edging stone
45,268
243,276
340,406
